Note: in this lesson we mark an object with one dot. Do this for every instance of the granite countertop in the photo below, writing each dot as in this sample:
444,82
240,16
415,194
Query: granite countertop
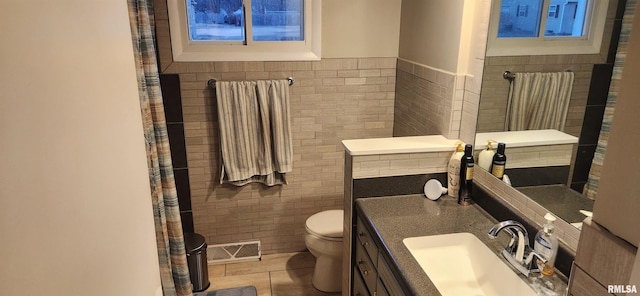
395,218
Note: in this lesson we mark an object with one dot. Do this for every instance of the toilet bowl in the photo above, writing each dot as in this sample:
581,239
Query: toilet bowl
324,240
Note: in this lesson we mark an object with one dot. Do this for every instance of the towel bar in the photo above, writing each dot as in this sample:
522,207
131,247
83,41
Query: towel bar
508,75
212,82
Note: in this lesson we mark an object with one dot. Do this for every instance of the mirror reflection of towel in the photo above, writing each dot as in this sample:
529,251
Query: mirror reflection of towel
539,101
255,131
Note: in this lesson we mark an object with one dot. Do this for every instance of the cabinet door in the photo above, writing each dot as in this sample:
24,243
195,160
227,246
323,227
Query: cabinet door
581,284
380,289
389,283
359,289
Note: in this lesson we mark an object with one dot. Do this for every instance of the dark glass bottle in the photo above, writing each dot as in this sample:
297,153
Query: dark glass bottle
499,162
467,164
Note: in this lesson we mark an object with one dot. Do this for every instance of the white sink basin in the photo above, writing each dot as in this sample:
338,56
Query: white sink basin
460,264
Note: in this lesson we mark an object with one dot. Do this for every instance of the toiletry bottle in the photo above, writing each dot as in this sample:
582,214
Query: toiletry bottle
499,162
453,171
466,176
486,157
546,244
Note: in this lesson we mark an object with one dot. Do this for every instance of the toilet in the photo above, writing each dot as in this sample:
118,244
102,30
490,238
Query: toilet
324,240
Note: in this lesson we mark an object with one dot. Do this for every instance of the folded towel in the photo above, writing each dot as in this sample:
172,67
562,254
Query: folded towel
255,131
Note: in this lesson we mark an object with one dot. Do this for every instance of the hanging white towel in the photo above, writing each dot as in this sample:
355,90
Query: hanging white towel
539,101
255,131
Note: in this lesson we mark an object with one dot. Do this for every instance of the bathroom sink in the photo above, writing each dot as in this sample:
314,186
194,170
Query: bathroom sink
461,264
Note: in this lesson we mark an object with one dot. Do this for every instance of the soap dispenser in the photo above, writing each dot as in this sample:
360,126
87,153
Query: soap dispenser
453,171
485,157
546,244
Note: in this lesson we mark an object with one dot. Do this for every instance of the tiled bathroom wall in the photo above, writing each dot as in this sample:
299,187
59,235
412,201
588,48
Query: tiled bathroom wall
172,99
495,89
375,166
331,100
538,156
428,101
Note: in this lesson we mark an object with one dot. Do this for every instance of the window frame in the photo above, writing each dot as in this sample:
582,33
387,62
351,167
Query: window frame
589,43
186,50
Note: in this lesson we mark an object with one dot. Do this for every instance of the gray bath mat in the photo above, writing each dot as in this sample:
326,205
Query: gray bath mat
241,291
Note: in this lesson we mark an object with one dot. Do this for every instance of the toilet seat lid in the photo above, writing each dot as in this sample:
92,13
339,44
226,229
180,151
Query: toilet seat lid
326,223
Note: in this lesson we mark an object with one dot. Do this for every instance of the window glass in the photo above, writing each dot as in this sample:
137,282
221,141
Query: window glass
519,18
547,27
566,18
277,20
216,20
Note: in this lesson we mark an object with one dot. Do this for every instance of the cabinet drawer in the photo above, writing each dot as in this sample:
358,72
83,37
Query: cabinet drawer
584,285
366,268
364,238
359,289
389,282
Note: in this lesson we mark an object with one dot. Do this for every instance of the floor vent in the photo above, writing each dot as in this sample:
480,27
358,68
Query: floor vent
234,252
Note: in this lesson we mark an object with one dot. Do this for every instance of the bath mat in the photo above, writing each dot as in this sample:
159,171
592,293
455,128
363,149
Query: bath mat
241,291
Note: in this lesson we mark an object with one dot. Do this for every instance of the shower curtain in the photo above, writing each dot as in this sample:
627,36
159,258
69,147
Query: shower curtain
174,272
538,101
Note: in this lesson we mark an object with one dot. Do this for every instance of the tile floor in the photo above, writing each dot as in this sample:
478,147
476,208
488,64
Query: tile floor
274,275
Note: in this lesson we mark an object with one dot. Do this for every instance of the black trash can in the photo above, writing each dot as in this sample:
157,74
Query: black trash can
196,248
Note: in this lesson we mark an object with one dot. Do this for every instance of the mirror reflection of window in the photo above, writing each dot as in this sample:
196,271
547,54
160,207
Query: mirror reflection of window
568,19
520,19
523,18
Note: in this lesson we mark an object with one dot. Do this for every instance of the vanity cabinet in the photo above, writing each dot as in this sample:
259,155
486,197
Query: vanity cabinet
371,272
602,259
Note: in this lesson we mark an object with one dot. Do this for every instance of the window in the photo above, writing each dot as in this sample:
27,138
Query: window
245,30
542,27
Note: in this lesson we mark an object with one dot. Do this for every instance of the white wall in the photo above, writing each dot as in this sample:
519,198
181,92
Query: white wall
360,28
75,209
430,32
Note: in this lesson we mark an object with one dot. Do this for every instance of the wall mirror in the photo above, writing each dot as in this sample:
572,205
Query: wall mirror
557,187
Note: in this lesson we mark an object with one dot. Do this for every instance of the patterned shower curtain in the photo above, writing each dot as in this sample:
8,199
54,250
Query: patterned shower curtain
174,272
591,188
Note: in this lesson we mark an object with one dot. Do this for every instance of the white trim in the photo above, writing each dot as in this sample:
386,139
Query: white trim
185,50
591,44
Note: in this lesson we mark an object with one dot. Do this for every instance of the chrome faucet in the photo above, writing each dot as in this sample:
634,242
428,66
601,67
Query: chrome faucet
517,252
